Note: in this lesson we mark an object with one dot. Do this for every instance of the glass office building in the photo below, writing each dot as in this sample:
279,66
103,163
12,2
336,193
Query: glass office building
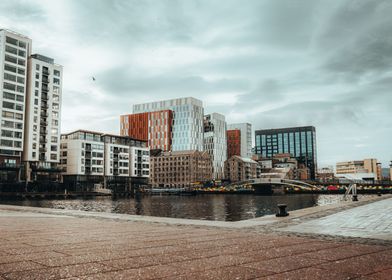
300,142
188,114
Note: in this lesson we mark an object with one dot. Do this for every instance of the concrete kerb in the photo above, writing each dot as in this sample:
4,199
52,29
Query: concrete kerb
269,221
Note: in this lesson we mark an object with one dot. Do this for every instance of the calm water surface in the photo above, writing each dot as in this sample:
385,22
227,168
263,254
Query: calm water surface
222,207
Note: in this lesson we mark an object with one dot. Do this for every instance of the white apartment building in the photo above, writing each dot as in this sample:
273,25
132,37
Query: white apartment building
82,153
246,137
188,116
14,52
96,154
215,142
43,111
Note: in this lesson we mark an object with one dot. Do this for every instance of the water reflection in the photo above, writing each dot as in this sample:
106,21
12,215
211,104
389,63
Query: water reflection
223,207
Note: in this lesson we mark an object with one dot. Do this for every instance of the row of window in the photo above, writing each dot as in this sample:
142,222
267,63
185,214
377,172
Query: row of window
15,60
10,143
12,115
15,51
13,87
14,69
14,78
11,134
11,124
13,106
15,42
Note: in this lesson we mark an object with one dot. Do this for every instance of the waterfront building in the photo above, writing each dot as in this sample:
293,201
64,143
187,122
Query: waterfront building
300,142
215,143
187,129
325,173
233,142
15,50
153,127
246,137
360,166
390,171
180,168
95,156
41,151
239,169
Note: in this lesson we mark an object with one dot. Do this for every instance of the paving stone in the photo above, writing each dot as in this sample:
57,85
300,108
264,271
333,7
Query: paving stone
310,274
59,272
226,273
19,266
382,275
284,264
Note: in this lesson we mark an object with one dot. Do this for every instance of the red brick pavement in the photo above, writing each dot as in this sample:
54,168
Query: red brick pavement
45,247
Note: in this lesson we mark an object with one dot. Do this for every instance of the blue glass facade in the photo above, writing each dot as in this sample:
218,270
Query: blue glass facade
300,142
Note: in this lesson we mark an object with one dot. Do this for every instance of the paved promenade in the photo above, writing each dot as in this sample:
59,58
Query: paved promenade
39,245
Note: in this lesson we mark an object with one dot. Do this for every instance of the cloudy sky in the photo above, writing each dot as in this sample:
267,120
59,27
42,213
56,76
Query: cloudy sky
271,63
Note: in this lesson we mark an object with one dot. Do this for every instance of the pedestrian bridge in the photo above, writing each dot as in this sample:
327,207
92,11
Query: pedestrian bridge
270,185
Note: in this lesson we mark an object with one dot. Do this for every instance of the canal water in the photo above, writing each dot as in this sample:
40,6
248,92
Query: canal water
221,207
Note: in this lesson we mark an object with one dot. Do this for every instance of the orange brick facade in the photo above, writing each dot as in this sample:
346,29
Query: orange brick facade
233,143
154,127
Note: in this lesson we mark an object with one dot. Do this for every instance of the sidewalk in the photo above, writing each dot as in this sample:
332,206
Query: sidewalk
47,246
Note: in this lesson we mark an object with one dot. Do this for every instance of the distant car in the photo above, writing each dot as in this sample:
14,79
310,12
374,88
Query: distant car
332,188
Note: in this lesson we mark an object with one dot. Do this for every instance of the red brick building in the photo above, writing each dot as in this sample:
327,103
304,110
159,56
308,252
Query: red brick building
154,127
233,143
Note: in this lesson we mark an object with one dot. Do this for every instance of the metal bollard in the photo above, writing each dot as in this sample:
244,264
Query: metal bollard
379,193
282,211
355,197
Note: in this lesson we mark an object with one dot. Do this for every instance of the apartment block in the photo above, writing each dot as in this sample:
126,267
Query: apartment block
99,155
187,129
246,137
15,50
215,143
154,127
233,142
42,123
239,169
180,169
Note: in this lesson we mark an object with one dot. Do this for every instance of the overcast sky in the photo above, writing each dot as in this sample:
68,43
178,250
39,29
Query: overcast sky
271,63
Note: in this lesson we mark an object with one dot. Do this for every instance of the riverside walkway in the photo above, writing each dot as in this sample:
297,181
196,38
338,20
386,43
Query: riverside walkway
39,243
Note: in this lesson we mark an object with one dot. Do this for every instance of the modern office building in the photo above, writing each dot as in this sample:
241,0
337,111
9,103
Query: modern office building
180,168
246,137
188,113
239,169
41,151
15,50
360,166
300,142
98,156
153,127
215,143
233,142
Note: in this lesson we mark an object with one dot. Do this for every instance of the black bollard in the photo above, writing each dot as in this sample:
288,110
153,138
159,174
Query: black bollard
282,211
355,197
379,193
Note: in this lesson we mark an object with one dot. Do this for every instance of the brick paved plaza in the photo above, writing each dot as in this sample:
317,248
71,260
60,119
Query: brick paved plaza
46,246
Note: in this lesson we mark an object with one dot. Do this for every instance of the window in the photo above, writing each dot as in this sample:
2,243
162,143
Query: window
11,41
8,95
19,98
20,80
20,89
7,143
21,62
8,105
7,133
56,81
22,44
18,116
10,59
18,107
9,77
11,50
37,67
9,86
18,144
9,68
55,122
21,71
7,124
53,148
54,130
56,73
21,53
36,84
